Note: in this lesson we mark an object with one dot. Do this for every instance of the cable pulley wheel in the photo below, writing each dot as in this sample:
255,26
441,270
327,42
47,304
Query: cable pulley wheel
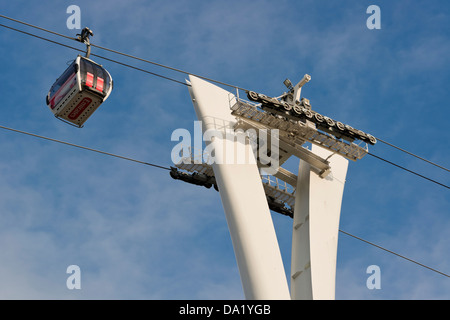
253,95
372,139
297,109
287,106
319,117
330,122
308,113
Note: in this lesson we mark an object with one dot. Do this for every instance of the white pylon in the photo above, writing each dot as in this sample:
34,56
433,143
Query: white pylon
316,213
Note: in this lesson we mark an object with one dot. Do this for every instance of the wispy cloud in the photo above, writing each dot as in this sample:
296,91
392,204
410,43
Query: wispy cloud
135,232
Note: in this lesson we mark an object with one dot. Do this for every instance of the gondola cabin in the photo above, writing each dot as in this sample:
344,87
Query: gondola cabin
79,91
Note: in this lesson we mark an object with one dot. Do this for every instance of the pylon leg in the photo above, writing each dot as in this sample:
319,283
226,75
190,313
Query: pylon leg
243,198
315,229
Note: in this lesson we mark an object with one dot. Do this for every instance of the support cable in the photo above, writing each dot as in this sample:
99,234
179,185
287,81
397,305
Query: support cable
96,55
36,27
394,253
127,55
410,171
412,154
85,148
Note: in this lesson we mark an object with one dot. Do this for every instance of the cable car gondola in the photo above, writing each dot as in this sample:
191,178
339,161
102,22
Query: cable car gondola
80,90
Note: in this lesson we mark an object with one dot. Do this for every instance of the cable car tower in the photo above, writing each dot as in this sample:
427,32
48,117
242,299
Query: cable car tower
312,197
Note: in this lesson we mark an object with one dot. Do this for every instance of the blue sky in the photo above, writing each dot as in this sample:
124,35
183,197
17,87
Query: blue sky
138,234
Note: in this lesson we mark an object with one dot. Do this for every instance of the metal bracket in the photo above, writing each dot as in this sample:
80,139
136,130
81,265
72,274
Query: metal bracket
294,91
84,37
291,147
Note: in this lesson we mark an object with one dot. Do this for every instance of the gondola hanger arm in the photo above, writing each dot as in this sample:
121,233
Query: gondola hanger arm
84,37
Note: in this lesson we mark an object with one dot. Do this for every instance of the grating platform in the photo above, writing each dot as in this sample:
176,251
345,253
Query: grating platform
298,131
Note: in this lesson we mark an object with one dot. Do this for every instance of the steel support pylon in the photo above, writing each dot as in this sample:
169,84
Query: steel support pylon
316,213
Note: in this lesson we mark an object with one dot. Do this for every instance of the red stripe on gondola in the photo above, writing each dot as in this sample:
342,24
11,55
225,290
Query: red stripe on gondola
99,86
62,91
89,79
